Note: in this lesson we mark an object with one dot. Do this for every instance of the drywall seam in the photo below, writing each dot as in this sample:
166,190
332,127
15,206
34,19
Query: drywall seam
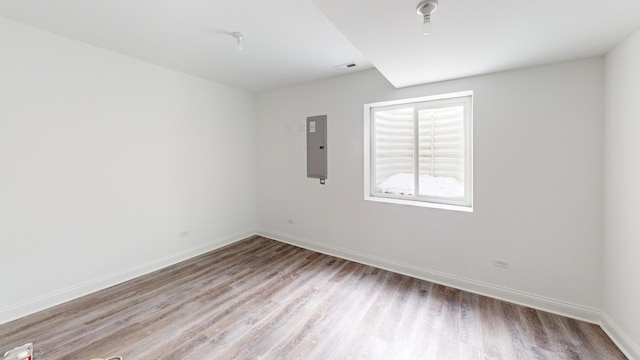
55,298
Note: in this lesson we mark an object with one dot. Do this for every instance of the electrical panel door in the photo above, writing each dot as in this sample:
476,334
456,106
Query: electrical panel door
317,147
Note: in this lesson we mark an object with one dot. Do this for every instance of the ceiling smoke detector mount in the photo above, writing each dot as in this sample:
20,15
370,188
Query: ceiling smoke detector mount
239,37
426,8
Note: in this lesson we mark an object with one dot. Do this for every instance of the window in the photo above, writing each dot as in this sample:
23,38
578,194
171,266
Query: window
418,151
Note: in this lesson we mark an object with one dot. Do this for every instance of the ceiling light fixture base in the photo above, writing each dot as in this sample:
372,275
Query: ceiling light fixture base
425,8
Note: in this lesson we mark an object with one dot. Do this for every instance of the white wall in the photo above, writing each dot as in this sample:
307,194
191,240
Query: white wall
104,160
622,192
537,193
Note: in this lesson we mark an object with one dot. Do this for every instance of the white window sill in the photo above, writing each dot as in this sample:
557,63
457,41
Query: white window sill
425,204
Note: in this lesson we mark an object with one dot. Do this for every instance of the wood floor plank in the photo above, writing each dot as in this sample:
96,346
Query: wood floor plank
402,334
336,333
317,315
259,298
470,327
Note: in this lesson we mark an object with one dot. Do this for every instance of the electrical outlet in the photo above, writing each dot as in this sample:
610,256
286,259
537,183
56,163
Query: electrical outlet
184,233
290,221
501,263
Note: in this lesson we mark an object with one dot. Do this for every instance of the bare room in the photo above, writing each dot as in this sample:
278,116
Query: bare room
319,179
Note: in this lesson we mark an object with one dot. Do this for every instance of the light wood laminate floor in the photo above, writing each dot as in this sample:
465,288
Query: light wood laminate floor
260,298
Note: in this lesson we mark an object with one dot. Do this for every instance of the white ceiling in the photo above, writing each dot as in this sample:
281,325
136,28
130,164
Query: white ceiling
472,37
287,41
294,41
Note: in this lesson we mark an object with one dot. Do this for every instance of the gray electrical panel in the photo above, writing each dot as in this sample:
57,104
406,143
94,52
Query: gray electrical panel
317,147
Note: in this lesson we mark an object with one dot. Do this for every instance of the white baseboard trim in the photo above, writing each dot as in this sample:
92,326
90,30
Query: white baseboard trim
595,316
498,292
620,338
55,298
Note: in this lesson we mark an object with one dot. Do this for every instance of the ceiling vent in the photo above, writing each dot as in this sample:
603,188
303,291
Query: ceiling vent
346,66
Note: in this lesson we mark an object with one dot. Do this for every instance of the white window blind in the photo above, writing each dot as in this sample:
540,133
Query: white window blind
421,150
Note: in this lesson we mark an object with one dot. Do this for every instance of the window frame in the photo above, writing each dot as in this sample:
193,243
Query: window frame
425,102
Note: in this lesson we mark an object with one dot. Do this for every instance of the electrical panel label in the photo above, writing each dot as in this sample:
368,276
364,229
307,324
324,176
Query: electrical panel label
312,126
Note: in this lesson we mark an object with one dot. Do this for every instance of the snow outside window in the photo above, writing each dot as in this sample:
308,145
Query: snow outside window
418,151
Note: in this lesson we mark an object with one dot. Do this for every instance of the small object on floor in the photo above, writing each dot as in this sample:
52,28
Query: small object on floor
24,352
